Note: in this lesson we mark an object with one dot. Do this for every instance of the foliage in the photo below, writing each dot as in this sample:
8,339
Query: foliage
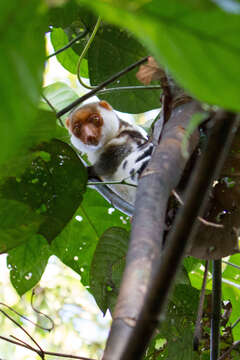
45,207
196,40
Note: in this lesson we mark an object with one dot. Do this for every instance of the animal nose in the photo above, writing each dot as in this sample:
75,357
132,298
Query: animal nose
92,140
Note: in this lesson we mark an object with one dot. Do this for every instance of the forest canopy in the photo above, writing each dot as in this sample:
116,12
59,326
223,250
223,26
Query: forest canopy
46,204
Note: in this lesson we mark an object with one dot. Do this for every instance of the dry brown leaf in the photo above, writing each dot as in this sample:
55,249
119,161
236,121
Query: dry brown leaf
149,72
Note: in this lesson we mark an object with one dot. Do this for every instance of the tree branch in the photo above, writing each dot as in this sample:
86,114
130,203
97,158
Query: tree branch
101,86
216,309
198,328
228,352
148,274
155,186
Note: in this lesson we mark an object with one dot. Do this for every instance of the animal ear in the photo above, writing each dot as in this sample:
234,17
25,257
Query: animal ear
67,123
105,105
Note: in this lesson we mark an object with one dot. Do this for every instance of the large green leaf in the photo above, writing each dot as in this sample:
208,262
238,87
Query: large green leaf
112,51
68,58
107,267
230,292
27,263
17,223
52,187
43,128
71,14
178,327
76,244
59,95
22,48
199,44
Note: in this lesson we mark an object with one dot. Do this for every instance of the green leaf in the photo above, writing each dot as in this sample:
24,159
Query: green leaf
59,95
230,292
68,58
231,272
52,186
179,325
201,48
27,263
107,267
17,223
44,128
22,45
190,263
71,14
111,51
76,244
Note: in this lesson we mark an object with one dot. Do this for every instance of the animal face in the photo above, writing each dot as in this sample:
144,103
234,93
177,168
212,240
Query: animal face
86,125
91,125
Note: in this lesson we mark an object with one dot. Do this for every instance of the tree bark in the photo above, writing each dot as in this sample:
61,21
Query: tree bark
155,186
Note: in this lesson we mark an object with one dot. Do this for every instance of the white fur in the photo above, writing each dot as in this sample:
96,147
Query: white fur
111,124
109,131
109,136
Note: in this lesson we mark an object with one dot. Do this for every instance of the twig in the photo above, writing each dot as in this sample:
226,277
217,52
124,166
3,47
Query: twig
130,88
235,323
228,352
90,40
23,316
21,343
231,264
114,199
202,220
121,182
71,42
101,86
66,355
198,327
22,328
26,345
41,313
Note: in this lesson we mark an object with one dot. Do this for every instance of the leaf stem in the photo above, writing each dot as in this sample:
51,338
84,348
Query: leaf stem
130,88
122,182
101,86
84,53
71,42
231,264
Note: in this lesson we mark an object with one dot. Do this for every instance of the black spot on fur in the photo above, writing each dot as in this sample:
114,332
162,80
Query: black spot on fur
146,153
124,164
132,174
111,159
143,167
132,133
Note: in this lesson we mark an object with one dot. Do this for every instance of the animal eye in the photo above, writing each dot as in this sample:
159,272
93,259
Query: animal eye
95,119
77,130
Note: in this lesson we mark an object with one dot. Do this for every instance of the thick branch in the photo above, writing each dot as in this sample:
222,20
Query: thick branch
160,178
148,276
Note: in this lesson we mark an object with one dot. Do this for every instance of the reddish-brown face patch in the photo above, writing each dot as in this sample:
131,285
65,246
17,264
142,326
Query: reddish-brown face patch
105,105
67,122
86,124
